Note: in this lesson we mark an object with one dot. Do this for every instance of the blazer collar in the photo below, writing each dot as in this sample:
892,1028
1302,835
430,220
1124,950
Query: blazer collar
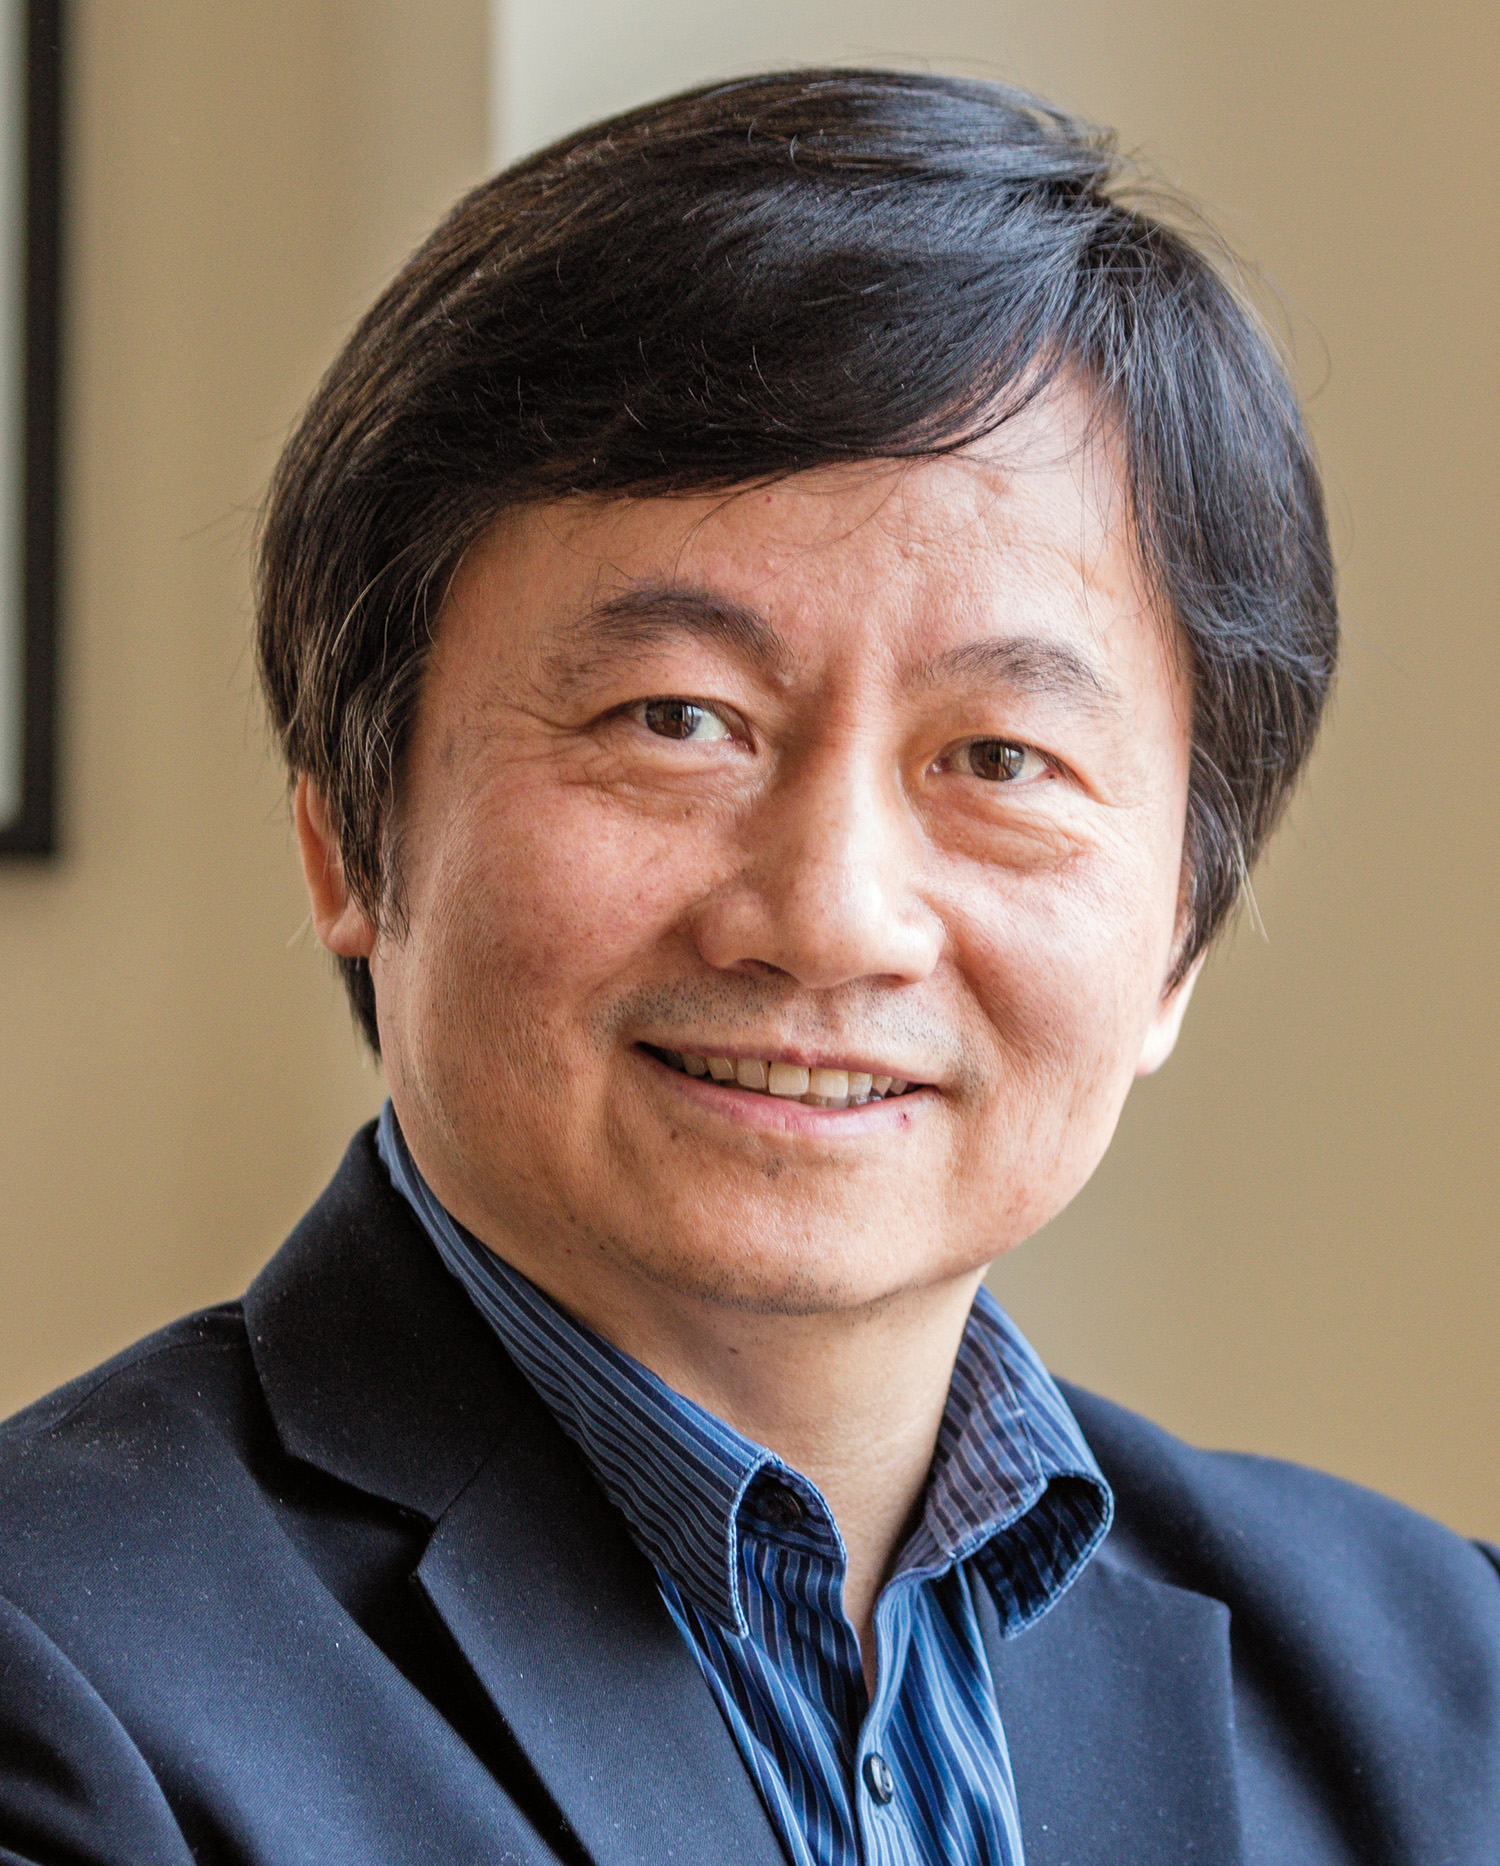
380,1372
373,1361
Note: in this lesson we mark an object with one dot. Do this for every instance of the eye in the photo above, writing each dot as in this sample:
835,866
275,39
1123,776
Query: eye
681,719
998,761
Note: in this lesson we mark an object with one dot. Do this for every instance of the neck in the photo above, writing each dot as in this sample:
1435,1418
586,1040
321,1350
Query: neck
851,1399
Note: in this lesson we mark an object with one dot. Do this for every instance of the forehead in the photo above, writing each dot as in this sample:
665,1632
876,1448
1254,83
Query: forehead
1024,534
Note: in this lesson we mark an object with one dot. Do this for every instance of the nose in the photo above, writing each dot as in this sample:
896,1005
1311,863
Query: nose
827,892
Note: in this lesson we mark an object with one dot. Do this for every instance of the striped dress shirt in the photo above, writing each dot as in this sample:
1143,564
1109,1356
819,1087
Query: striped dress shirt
750,1565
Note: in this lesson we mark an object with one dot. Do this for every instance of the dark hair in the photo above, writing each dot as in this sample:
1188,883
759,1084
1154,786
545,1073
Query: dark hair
764,276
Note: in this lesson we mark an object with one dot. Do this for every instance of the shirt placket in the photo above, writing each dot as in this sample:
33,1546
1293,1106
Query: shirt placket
884,1827
794,1558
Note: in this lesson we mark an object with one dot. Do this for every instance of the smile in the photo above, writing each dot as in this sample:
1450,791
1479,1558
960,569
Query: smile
815,1087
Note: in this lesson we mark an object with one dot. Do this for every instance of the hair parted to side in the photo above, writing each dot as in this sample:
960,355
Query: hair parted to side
760,277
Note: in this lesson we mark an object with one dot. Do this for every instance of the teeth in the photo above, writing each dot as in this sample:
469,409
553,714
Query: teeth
818,1088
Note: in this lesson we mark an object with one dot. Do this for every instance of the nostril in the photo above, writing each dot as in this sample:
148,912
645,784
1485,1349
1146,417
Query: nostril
762,968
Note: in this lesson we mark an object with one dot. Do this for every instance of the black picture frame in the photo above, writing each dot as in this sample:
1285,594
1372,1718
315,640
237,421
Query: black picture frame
31,830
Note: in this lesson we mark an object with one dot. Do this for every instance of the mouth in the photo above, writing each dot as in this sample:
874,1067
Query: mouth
814,1086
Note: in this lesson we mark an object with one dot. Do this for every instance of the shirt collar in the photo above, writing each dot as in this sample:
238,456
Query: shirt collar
1013,1483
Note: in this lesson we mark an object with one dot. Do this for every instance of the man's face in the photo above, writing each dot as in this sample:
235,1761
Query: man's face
881,772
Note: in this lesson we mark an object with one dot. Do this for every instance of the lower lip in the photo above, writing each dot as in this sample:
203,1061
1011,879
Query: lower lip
779,1114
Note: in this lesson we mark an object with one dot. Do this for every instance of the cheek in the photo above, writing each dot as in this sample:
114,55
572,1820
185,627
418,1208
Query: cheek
540,899
1066,974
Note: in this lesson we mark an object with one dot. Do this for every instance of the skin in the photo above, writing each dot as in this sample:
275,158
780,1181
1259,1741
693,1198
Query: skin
822,874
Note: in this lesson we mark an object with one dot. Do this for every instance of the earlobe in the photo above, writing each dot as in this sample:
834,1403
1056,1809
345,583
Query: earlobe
1161,1037
341,924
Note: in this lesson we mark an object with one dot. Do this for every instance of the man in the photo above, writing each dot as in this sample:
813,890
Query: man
788,624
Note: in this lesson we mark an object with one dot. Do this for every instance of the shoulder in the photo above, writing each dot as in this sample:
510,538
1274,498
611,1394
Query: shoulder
1302,1559
300,1433
193,1362
1190,1501
151,1435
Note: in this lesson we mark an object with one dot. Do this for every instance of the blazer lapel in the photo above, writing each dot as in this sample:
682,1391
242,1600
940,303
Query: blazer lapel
1119,1719
380,1372
558,1613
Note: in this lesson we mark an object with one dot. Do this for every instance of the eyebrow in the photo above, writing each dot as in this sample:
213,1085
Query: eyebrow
1030,663
646,617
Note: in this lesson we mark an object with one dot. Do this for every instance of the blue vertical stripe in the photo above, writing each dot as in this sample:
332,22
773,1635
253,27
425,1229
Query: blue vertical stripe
1015,1504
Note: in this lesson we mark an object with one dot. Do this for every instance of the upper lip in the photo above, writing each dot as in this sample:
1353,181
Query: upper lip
800,1056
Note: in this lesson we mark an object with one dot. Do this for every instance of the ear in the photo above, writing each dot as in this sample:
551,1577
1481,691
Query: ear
341,924
1161,1037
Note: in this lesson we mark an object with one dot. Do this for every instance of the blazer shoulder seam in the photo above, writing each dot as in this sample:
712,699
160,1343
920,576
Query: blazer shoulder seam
140,1356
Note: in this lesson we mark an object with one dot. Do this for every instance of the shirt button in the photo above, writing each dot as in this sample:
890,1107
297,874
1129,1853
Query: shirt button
780,1505
878,1778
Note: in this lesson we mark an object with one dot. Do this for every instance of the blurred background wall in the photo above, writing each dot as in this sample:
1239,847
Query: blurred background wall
178,1072
1293,1246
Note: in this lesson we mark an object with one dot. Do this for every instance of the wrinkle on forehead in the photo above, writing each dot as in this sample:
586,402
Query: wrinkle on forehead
1005,539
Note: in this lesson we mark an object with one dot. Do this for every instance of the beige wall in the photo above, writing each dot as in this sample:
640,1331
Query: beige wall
179,1074
1293,1246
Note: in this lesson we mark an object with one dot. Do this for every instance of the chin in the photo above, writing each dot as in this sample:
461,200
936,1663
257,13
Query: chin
801,1275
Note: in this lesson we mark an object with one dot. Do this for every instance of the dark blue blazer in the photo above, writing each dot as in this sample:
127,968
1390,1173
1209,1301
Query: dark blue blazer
314,1577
